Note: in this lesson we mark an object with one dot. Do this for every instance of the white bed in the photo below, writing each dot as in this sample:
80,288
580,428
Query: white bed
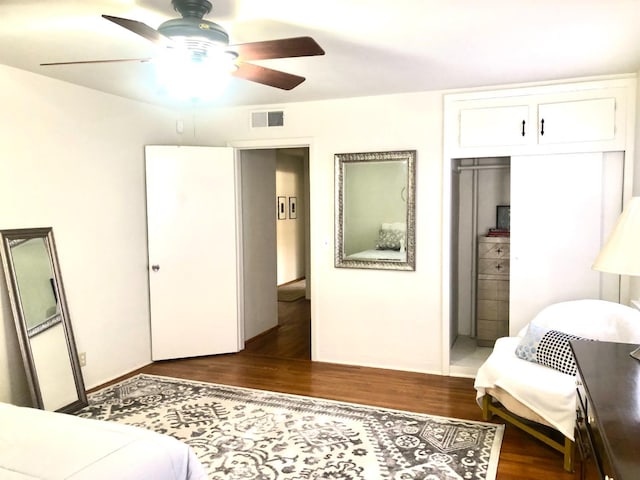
547,392
388,255
37,444
389,246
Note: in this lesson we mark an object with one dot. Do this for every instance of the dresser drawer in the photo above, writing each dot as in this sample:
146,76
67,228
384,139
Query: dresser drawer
490,289
492,310
588,438
493,266
493,250
491,330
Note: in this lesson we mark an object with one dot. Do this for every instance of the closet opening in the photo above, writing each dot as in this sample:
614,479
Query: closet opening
479,289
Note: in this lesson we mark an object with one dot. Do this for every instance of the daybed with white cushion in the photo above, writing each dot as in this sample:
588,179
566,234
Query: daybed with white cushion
507,384
37,444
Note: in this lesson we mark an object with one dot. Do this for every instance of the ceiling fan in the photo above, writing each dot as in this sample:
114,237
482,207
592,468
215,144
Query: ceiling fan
202,40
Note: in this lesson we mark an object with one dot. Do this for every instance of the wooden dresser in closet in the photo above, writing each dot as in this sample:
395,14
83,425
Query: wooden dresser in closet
492,296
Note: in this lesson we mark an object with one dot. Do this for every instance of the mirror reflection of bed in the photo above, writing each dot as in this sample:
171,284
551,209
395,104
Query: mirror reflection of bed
375,210
389,245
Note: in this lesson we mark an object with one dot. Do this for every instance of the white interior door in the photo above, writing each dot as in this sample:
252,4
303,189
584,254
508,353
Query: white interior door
193,251
562,208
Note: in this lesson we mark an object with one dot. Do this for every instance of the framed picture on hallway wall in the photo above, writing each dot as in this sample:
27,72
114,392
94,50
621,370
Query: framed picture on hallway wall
293,207
282,206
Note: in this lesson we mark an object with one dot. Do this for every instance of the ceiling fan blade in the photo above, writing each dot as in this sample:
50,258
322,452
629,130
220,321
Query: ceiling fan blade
283,48
141,29
98,61
268,76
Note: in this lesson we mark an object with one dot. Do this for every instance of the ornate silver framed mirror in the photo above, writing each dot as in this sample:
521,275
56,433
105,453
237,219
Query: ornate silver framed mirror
375,210
39,307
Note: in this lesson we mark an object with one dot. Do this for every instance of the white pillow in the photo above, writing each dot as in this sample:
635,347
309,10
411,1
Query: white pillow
596,319
402,226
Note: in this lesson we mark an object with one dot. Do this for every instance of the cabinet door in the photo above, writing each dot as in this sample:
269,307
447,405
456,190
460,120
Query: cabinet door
562,209
590,120
494,126
578,117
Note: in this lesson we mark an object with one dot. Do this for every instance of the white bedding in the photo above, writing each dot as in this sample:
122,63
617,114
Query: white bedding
36,444
548,392
395,255
553,398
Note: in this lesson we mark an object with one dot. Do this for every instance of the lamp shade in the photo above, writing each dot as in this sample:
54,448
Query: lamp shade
621,253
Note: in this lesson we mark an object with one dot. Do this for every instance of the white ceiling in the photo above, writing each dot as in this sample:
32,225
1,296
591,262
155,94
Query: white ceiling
372,47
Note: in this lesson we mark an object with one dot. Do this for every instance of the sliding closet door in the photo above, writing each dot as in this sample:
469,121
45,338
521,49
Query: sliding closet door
562,208
193,251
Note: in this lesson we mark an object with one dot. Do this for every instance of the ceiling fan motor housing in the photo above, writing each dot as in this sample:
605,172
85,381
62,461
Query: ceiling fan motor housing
194,27
192,8
197,34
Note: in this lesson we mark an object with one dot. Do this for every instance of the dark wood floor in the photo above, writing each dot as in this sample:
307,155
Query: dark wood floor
279,361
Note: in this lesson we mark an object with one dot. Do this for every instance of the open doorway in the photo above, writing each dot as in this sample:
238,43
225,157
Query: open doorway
275,210
480,188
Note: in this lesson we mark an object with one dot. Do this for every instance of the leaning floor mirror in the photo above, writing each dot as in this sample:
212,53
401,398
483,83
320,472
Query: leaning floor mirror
375,210
39,306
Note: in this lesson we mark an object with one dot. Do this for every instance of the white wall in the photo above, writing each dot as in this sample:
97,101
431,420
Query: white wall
72,158
365,317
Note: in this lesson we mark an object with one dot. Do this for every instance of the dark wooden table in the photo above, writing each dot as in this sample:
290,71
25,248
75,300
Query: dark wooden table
610,396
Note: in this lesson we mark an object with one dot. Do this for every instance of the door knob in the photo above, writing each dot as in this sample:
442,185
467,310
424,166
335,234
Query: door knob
155,268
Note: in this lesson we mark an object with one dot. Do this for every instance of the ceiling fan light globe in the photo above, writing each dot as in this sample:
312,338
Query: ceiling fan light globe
201,50
184,75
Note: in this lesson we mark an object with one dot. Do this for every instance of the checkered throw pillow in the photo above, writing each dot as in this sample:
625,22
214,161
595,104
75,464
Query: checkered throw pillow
554,351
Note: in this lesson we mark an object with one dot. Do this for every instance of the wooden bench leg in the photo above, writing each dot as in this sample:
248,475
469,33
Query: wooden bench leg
486,411
567,448
569,454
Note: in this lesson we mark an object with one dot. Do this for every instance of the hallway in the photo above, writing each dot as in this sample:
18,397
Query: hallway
291,339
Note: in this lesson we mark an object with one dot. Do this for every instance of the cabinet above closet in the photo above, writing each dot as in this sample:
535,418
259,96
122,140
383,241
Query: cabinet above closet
558,118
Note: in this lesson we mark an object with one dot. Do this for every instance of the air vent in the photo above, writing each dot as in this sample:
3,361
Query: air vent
262,119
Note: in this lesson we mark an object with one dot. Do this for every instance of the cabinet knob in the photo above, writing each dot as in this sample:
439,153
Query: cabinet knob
155,268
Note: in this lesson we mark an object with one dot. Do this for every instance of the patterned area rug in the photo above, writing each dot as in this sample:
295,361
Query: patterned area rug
240,433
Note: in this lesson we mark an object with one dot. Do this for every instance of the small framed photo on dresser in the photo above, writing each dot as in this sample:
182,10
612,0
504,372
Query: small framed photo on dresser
503,217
